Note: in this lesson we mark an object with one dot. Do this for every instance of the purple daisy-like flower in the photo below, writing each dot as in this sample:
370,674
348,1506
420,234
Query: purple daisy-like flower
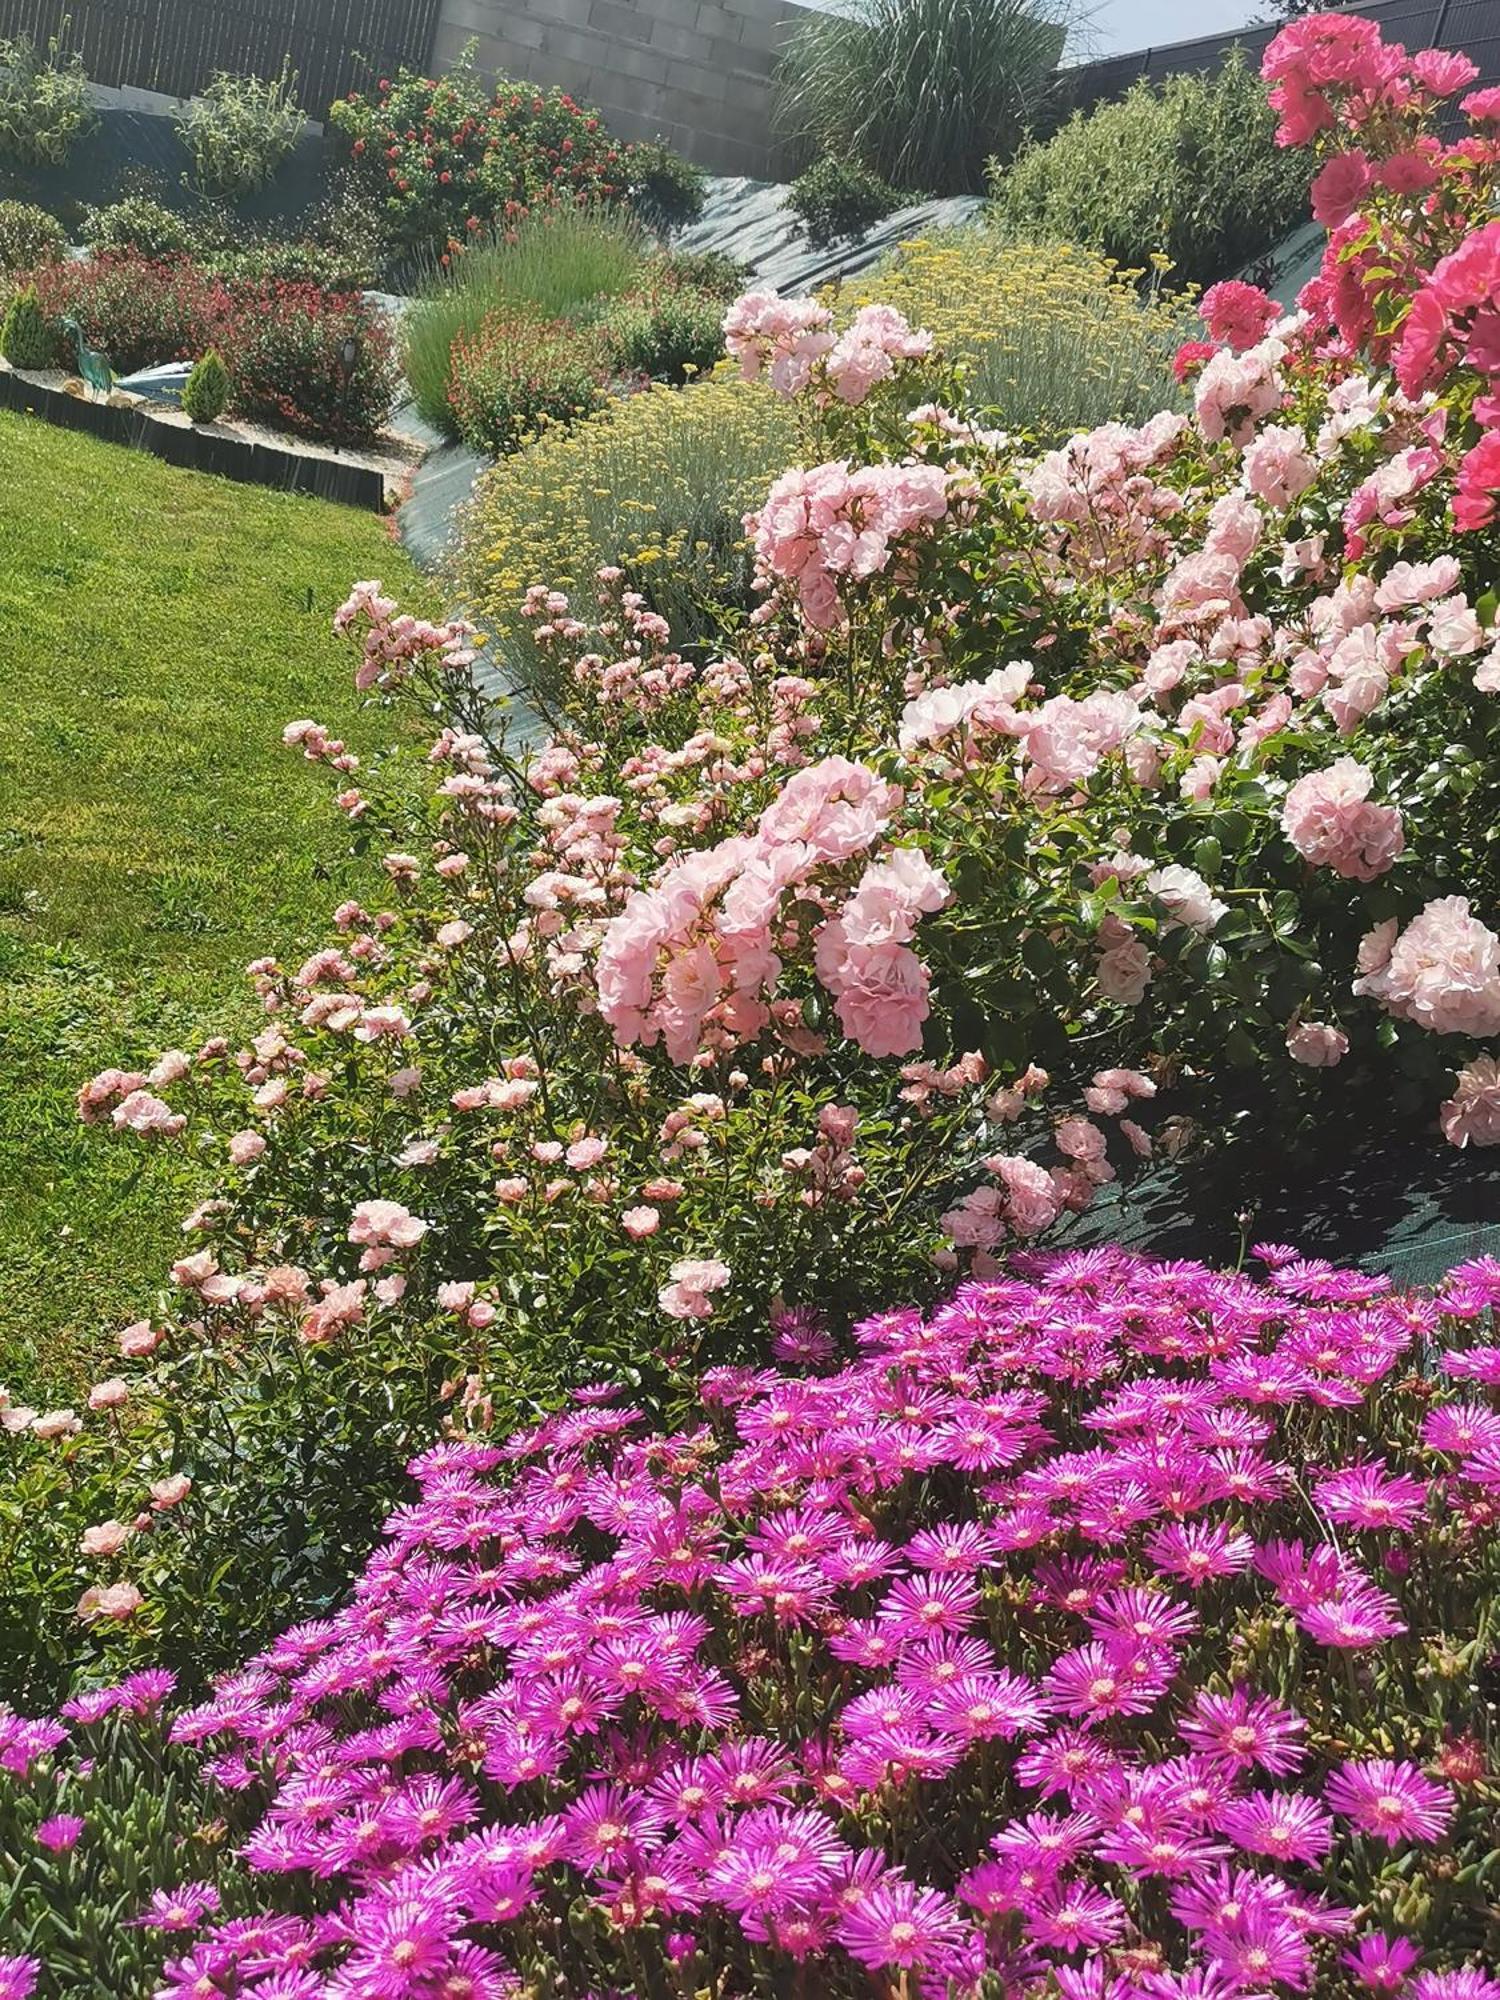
60,1832
1380,1963
1286,1825
898,1924
1390,1801
1242,1730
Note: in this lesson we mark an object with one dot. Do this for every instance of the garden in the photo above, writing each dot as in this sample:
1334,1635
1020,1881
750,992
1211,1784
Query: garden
578,1421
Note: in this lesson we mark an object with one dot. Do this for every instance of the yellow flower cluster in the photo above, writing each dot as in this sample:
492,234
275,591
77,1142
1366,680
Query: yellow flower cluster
658,484
1057,338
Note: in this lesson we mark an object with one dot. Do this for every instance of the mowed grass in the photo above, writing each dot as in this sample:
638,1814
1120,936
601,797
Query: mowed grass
157,630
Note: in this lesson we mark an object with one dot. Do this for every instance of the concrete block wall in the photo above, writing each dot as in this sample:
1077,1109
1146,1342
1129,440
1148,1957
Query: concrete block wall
696,73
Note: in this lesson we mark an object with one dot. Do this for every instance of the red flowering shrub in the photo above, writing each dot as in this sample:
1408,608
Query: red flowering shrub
448,158
518,370
281,342
283,345
138,310
1118,1631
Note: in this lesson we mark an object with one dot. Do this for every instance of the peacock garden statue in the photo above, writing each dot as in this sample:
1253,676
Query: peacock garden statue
92,366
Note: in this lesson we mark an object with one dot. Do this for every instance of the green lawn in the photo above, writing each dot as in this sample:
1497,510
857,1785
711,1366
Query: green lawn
157,629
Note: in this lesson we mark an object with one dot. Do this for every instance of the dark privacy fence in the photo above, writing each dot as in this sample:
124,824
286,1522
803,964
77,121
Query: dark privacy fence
175,46
1472,26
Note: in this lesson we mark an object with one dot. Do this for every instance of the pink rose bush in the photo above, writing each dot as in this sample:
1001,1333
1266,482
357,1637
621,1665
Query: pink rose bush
1062,1641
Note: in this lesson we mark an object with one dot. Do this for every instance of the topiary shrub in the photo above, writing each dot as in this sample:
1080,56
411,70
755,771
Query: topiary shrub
138,223
240,130
518,371
206,391
838,199
26,341
29,235
1188,169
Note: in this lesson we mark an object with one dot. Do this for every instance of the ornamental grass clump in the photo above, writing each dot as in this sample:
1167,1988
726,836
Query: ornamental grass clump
1115,1631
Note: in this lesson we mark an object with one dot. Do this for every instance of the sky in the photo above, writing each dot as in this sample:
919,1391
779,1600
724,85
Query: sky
1118,25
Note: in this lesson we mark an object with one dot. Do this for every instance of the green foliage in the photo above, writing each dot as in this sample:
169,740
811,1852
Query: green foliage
154,835
1188,169
139,223
666,331
240,130
44,100
839,198
553,263
28,235
666,191
921,92
26,341
518,372
206,391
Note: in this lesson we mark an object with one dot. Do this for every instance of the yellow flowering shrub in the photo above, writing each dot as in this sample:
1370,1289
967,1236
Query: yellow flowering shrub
1058,338
658,484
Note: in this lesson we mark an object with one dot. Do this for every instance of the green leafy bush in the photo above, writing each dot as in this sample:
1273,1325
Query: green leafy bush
141,224
555,261
206,391
838,198
921,92
44,101
1188,169
666,331
518,371
28,235
238,132
26,341
666,191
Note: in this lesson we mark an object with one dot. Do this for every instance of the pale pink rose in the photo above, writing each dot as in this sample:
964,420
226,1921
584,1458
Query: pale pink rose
386,1224
1443,971
639,1223
1277,467
245,1147
169,1492
1234,392
114,1601
381,1024
405,1082
1124,972
1328,819
105,1538
1317,1044
141,1112
138,1340
1139,1140
109,1395
512,1190
585,1153
1186,897
1031,1203
881,992
169,1068
56,1424
1471,1116
1487,673
1080,1139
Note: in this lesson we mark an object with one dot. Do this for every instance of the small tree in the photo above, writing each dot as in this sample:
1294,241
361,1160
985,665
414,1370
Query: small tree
206,391
24,337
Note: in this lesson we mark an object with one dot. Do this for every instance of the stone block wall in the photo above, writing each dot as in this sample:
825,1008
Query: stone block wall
696,73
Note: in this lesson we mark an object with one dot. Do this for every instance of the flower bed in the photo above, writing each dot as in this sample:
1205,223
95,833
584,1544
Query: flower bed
1056,806
283,342
1013,1655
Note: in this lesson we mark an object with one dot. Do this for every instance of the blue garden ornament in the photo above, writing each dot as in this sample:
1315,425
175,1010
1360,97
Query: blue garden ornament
92,366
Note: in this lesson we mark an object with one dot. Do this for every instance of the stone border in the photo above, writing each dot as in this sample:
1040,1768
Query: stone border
247,460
